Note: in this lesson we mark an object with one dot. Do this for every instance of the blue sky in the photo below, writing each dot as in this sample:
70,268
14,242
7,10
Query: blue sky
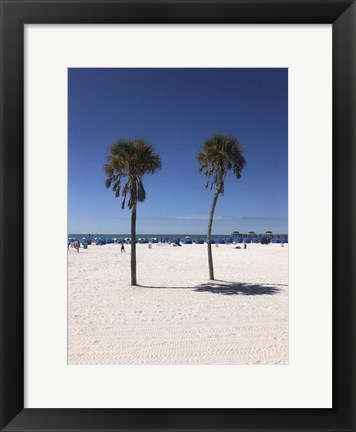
175,110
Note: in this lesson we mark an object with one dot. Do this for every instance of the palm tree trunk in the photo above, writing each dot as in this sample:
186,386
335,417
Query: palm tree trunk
133,245
211,216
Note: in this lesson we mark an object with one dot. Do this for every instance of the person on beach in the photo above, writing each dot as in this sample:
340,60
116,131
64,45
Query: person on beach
245,245
123,248
77,245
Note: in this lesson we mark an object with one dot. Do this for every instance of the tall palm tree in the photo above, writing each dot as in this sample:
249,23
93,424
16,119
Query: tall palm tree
219,155
127,163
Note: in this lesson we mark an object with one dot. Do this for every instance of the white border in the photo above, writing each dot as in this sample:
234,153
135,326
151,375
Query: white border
306,51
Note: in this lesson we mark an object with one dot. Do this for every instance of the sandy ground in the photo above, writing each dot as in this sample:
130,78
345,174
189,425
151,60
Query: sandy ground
175,315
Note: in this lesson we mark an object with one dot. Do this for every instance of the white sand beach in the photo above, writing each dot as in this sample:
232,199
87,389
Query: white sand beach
176,315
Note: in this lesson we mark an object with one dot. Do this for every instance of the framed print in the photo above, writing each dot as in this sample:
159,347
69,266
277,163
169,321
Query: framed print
190,308
193,329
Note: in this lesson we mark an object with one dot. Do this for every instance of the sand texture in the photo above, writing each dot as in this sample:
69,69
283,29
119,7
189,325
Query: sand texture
176,316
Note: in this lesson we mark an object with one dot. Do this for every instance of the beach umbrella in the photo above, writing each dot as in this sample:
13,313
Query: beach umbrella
212,241
187,240
198,240
175,240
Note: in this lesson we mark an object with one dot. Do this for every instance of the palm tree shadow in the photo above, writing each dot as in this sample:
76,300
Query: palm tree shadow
267,284
227,288
165,287
234,288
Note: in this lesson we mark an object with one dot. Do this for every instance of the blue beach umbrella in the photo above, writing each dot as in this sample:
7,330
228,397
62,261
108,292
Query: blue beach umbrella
212,241
175,240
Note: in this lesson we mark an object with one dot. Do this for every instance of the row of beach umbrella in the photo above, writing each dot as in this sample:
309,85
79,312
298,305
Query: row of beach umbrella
175,240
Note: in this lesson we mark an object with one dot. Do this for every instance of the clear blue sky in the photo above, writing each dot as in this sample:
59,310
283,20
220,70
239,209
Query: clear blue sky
175,110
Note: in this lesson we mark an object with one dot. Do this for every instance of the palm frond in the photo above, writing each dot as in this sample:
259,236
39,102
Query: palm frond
130,160
219,155
108,182
141,193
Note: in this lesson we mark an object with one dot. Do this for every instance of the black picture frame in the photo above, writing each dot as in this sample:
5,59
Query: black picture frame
14,15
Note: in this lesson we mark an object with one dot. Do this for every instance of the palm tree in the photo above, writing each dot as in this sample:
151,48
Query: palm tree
219,155
128,162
